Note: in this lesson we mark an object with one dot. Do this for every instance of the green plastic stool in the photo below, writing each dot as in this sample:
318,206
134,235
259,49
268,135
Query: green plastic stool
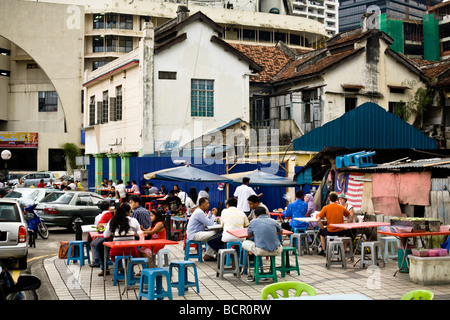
418,295
299,288
263,275
285,263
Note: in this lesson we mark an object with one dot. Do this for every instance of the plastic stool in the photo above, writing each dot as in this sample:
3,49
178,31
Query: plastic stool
197,255
315,244
229,246
300,241
349,159
349,241
390,245
285,263
364,160
339,253
259,274
151,278
183,281
375,253
224,254
164,258
149,206
119,274
131,279
80,255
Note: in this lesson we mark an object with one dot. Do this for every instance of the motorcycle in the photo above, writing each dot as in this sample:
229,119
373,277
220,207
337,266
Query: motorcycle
35,224
10,290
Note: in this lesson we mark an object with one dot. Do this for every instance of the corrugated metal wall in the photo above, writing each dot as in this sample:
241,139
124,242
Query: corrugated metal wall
272,196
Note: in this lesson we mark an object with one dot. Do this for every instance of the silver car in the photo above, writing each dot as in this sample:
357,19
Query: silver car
13,232
63,208
29,196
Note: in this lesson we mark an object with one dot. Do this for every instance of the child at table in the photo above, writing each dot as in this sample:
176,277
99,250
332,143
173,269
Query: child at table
156,231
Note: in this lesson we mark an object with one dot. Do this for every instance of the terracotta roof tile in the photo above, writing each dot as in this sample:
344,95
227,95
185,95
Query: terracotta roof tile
271,58
316,67
434,70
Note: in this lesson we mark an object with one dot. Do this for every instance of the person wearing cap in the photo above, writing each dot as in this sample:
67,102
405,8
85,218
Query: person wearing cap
334,213
343,202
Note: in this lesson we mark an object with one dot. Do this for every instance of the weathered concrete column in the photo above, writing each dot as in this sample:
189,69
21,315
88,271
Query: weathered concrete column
146,66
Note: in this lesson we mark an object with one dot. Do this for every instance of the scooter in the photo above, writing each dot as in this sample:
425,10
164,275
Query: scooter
10,290
35,224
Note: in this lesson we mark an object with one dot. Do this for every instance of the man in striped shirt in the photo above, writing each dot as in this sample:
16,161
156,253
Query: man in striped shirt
232,218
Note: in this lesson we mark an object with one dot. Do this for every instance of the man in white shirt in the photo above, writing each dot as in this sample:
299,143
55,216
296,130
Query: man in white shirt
120,188
72,185
242,193
232,218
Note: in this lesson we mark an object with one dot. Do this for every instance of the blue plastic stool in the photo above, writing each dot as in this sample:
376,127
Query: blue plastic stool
183,281
364,160
197,255
131,279
349,159
81,256
119,274
150,285
229,246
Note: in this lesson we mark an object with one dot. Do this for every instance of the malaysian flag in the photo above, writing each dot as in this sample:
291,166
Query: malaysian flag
352,185
354,190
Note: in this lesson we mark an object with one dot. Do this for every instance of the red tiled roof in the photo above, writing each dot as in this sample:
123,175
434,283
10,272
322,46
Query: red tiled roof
434,70
271,58
317,67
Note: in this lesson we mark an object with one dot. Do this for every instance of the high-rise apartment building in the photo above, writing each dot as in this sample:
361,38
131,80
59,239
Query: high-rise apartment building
324,11
350,11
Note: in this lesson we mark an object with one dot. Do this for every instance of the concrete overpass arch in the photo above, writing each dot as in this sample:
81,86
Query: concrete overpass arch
53,36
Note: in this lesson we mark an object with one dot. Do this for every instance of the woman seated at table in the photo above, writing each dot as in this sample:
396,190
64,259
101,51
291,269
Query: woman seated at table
156,231
122,227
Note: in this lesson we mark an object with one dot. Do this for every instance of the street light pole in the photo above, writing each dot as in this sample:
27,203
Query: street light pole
6,155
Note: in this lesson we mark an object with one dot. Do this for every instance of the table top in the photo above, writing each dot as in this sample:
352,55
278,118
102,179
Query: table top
414,234
88,227
242,233
357,225
216,226
307,219
138,243
179,219
276,213
348,296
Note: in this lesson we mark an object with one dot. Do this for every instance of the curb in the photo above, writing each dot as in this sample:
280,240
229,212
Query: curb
46,291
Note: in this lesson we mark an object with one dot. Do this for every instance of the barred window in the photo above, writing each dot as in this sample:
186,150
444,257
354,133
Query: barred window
118,103
202,98
92,111
105,107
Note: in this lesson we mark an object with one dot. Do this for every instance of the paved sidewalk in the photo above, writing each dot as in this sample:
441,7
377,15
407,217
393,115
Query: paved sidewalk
376,283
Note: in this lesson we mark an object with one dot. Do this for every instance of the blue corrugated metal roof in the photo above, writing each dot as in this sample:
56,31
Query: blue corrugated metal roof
369,126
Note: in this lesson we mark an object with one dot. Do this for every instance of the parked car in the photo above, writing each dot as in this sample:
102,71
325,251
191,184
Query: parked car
33,178
13,232
29,196
62,208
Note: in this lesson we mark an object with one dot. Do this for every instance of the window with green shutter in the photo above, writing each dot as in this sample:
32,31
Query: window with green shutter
202,98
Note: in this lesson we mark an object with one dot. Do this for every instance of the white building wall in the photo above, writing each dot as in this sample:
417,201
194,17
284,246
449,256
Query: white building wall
115,136
198,58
